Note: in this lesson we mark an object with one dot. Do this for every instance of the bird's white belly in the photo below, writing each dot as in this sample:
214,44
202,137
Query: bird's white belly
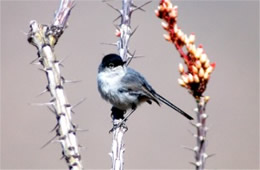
111,83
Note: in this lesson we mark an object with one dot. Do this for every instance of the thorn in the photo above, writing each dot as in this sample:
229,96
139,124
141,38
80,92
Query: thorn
62,138
198,163
188,148
197,125
196,149
140,7
42,69
71,148
53,99
113,44
23,32
131,58
52,110
62,157
44,91
193,163
82,147
50,141
114,8
74,126
72,81
36,61
117,18
193,124
204,116
61,65
72,111
55,127
77,104
57,62
62,60
67,105
76,156
73,5
45,69
132,33
81,130
211,155
117,27
129,53
138,56
42,104
74,164
73,131
135,8
201,138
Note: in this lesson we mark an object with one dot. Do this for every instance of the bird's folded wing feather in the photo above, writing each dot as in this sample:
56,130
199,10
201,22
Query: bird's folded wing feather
135,84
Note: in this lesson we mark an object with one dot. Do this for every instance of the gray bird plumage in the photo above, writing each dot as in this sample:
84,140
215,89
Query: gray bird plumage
125,88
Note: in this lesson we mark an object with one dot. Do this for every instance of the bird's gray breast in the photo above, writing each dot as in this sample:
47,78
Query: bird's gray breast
111,88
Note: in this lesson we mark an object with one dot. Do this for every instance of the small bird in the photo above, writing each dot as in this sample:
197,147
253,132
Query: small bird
125,88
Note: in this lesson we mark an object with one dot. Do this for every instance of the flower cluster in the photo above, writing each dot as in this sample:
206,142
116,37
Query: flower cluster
199,67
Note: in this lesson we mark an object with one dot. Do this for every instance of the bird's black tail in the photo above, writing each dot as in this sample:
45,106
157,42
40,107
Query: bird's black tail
165,101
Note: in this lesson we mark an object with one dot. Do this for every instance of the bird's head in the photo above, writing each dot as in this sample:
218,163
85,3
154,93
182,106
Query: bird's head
111,62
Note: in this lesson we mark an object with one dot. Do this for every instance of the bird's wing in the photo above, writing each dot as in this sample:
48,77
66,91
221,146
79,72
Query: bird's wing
135,84
138,82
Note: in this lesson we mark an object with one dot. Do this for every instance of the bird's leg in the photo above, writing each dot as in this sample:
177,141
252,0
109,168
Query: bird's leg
127,116
118,116
117,113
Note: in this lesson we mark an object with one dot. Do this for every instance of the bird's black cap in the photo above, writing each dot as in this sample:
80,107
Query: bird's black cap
112,60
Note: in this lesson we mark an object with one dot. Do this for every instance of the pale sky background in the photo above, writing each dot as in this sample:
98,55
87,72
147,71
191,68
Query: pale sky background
229,32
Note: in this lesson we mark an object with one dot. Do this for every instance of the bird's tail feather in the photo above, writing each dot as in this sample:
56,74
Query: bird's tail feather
165,101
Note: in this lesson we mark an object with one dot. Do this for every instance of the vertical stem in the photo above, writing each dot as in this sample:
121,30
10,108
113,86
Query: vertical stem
65,129
118,149
200,151
125,29
44,38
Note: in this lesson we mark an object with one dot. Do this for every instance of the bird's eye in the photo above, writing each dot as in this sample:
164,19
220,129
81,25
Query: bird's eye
111,65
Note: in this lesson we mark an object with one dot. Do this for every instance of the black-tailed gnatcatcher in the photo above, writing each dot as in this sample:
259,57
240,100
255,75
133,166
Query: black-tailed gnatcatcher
125,88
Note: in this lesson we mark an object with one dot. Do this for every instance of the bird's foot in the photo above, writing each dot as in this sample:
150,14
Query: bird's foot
119,123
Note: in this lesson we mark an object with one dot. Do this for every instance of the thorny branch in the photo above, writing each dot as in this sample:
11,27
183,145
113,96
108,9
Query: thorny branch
44,38
124,32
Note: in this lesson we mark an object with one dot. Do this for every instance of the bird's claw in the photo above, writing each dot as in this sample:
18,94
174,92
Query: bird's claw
120,124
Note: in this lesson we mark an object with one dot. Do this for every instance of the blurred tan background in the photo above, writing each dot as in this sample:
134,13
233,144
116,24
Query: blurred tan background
229,31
